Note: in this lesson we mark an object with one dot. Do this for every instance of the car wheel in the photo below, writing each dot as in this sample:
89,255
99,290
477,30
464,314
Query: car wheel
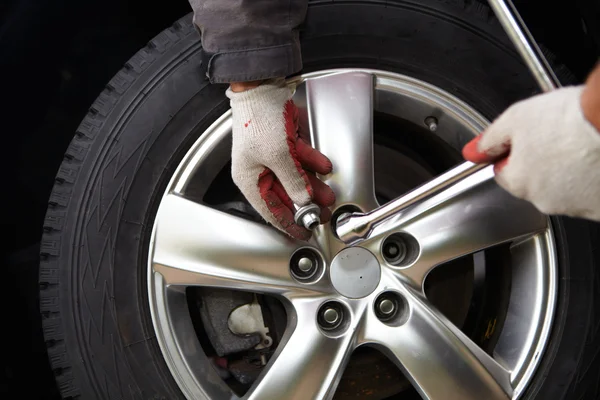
158,280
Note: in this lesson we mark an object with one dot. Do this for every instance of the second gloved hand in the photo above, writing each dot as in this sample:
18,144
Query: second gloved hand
272,164
546,152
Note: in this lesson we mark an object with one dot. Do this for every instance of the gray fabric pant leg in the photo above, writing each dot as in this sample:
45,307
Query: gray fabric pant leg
247,40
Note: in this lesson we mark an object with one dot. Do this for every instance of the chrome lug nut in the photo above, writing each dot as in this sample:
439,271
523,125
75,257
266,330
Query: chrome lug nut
386,307
307,216
305,264
331,316
389,307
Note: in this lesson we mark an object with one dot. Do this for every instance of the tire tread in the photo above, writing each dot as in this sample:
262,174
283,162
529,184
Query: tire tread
52,323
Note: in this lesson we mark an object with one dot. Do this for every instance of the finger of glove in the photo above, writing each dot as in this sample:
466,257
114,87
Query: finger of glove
475,152
325,215
282,194
511,179
294,180
287,168
471,153
500,165
280,206
303,125
495,142
323,195
312,159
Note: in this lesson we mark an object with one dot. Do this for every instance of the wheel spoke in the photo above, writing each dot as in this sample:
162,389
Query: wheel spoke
440,361
340,108
471,215
308,365
198,246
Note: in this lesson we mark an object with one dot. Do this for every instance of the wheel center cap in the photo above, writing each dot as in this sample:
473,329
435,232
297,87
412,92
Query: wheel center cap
355,272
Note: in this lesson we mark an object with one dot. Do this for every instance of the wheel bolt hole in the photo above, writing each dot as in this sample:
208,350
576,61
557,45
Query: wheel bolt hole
332,317
306,265
400,249
391,308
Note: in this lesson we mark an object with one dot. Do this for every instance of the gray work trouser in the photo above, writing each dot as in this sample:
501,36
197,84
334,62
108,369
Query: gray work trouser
246,40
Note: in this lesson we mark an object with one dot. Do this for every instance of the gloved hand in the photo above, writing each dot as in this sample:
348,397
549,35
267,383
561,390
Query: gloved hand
272,164
546,152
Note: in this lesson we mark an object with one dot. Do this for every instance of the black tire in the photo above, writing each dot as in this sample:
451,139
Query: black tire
94,303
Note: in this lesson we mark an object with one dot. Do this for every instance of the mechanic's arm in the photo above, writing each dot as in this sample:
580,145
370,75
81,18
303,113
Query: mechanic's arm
250,40
253,45
546,149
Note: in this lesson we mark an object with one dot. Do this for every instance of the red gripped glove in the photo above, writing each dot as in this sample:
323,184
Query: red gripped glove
272,163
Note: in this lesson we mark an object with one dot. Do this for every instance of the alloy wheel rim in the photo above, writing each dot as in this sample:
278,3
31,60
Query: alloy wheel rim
194,251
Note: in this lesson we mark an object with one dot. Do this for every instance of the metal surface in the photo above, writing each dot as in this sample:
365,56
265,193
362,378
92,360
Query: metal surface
525,44
471,215
341,123
195,245
386,306
308,216
331,316
305,264
355,272
351,228
393,250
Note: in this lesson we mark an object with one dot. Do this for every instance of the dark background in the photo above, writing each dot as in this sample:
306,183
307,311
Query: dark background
55,58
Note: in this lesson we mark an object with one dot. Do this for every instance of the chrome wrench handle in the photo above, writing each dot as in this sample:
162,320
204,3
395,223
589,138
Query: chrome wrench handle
351,228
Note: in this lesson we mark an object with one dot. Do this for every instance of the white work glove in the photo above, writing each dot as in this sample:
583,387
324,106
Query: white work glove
272,163
546,152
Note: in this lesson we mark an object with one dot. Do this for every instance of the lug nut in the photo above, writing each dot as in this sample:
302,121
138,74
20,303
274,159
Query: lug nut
305,264
307,216
330,316
386,307
391,308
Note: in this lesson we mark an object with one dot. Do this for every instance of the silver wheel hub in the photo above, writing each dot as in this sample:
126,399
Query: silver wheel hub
370,295
355,272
